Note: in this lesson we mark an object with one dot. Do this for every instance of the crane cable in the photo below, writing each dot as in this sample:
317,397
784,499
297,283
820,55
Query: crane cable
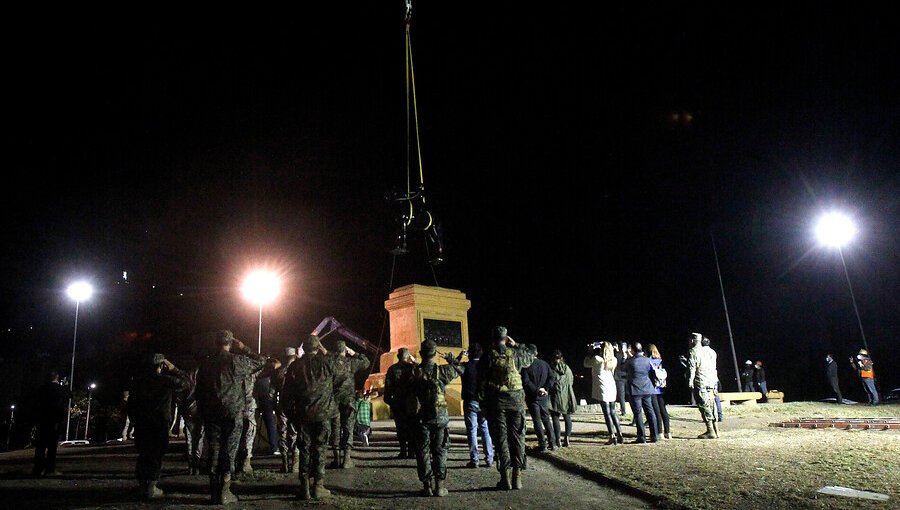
411,101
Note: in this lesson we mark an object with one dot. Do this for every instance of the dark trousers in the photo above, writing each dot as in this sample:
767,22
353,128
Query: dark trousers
151,440
47,440
556,430
401,423
342,426
662,414
540,416
194,435
313,442
432,443
833,381
287,434
611,418
267,411
224,437
508,432
620,394
644,404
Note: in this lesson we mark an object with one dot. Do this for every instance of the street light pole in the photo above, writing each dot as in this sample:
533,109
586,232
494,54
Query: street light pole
87,424
259,341
72,372
261,287
853,299
12,419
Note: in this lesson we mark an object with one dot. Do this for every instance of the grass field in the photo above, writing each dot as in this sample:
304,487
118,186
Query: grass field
752,465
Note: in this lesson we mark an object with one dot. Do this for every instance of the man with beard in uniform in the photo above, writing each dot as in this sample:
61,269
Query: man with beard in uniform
287,430
221,397
348,363
309,390
396,382
431,437
500,390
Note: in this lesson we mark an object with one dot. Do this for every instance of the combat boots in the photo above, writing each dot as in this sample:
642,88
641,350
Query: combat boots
426,488
439,489
214,490
716,429
710,431
318,490
565,441
335,459
149,490
504,484
245,466
347,462
304,488
285,464
516,478
225,494
295,462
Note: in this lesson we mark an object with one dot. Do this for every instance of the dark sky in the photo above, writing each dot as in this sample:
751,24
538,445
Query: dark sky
185,148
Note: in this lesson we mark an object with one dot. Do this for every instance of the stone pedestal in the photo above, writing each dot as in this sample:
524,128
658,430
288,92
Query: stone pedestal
418,312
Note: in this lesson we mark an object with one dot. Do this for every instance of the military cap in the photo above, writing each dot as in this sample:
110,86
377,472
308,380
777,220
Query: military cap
428,349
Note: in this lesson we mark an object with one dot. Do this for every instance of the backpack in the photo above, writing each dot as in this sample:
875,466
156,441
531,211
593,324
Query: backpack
427,392
504,374
659,377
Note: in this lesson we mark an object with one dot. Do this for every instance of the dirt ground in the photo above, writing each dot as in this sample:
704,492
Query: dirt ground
102,477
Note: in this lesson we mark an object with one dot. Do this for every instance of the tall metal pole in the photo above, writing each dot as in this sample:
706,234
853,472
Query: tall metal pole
737,371
259,347
72,372
853,298
87,424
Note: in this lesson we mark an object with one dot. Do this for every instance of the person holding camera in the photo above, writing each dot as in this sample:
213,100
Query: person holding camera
150,409
221,396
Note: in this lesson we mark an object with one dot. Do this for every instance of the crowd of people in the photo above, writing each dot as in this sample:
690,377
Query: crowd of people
315,405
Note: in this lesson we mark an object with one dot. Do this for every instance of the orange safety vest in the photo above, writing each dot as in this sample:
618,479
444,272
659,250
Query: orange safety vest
867,373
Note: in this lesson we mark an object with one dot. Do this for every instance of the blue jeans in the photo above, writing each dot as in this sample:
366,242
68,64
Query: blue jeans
871,392
475,423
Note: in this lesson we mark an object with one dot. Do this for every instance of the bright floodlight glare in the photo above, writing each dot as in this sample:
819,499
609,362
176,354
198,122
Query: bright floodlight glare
261,287
835,229
80,291
93,386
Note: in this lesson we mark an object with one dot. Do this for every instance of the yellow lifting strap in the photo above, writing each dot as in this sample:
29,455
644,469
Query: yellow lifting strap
411,83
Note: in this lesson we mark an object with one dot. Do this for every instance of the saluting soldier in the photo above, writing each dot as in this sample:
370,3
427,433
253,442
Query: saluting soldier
348,363
396,381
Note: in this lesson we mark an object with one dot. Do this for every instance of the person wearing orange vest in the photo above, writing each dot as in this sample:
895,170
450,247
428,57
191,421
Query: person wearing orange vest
863,364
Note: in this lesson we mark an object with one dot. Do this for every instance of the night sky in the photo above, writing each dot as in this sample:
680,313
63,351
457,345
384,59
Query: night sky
578,201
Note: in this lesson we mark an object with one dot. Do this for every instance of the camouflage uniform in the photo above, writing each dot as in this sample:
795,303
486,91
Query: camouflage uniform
430,435
309,395
248,422
150,408
221,397
193,422
501,392
396,381
703,379
345,397
287,430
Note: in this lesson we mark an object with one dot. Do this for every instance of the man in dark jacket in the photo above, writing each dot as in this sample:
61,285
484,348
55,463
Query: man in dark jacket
348,362
760,377
747,375
831,371
222,397
476,422
396,382
309,390
622,354
637,370
432,439
500,392
52,403
537,379
150,408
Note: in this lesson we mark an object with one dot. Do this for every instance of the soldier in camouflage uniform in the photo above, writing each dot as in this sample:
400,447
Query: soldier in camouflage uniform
287,431
500,391
309,392
221,398
703,379
395,390
430,435
348,362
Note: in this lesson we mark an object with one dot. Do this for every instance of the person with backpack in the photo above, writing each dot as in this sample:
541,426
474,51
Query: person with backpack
431,436
500,391
659,404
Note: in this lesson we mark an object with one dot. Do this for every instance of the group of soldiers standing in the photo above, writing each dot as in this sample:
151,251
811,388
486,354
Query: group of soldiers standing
314,402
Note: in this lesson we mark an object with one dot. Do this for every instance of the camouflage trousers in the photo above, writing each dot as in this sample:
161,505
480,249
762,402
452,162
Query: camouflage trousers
224,434
194,435
342,426
706,402
432,443
248,432
287,433
313,443
507,428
